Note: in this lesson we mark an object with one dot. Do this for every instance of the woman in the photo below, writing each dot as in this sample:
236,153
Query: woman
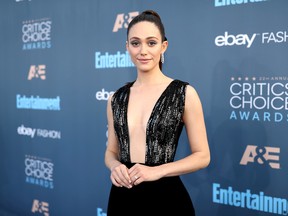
145,120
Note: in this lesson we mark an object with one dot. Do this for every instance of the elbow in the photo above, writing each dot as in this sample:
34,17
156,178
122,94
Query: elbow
206,157
206,161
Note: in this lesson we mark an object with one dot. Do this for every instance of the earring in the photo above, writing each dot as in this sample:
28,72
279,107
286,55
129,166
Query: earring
162,58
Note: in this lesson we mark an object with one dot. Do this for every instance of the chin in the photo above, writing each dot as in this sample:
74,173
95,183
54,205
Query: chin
144,69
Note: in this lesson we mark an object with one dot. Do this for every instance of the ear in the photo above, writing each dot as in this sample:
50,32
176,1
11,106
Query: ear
164,46
127,45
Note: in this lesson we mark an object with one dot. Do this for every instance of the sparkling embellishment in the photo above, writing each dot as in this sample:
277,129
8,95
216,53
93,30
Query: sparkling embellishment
164,126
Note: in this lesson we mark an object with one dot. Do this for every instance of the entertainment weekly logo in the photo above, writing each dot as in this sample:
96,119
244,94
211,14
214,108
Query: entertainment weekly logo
106,60
39,171
37,103
100,212
221,3
36,34
228,39
249,199
259,99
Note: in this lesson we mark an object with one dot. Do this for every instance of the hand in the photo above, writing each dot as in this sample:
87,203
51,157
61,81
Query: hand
120,177
140,173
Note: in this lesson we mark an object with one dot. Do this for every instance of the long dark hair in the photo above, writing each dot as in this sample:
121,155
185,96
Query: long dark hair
153,17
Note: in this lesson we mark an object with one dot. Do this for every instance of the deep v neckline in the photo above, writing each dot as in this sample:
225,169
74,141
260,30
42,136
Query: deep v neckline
150,116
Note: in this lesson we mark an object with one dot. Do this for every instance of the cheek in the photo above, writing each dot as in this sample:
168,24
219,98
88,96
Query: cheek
157,54
132,51
157,51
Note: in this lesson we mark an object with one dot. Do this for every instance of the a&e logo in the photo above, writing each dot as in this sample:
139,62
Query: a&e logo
37,72
122,20
261,155
40,207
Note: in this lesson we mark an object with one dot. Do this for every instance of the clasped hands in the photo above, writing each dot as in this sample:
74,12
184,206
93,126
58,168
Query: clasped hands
121,176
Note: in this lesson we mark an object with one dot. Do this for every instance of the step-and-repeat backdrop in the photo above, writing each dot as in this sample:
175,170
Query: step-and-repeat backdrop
60,60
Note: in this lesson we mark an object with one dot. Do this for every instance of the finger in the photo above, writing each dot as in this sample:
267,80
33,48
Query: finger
120,174
134,168
136,179
119,183
115,182
126,176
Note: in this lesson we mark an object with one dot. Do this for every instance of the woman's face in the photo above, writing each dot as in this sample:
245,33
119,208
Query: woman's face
145,45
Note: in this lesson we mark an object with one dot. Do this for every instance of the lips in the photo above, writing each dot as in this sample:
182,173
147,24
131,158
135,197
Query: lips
143,60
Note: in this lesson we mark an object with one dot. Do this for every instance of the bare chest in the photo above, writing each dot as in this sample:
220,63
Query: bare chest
141,105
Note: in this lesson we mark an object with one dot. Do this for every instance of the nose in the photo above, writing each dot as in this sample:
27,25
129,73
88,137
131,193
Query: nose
143,50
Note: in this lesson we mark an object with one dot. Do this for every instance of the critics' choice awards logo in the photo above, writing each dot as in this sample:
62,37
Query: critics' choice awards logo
262,155
39,171
247,40
37,72
36,34
40,207
37,132
123,20
259,99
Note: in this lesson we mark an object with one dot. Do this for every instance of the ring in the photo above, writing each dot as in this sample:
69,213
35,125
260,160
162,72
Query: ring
136,177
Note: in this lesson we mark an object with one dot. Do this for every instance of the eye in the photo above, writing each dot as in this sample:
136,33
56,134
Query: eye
152,43
135,43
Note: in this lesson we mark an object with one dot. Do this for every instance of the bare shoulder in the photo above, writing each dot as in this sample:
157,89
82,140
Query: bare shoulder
192,98
191,92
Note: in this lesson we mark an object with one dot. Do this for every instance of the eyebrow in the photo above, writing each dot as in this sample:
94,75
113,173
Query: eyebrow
148,38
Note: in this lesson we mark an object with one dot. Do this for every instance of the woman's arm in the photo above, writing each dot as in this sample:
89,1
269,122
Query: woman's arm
119,172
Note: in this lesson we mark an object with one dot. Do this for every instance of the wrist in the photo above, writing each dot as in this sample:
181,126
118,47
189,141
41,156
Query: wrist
114,164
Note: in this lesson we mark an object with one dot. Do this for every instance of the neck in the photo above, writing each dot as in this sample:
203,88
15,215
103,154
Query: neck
151,78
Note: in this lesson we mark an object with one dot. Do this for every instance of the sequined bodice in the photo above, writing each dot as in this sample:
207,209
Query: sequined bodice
164,126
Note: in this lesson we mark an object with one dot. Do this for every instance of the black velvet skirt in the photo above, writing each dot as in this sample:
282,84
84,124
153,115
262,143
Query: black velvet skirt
164,197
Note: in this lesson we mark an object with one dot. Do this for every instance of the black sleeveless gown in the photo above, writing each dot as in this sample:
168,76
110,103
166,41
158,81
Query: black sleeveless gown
168,195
